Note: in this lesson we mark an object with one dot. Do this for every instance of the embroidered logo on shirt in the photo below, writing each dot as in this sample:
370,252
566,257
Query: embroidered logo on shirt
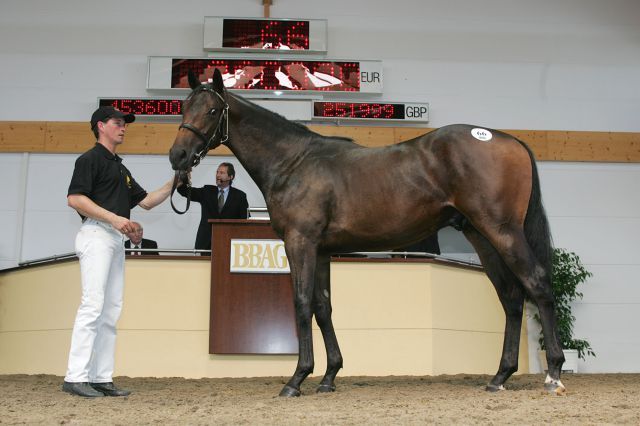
128,180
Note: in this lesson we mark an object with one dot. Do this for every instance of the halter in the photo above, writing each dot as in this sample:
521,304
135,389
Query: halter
208,143
200,134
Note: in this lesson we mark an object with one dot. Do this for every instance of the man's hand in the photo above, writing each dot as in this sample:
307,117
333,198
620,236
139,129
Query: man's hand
122,224
86,207
185,178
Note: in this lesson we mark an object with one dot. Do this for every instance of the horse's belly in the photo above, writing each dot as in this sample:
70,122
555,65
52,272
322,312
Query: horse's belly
379,234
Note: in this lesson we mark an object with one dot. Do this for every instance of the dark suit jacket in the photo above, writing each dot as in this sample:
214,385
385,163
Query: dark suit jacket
234,208
145,244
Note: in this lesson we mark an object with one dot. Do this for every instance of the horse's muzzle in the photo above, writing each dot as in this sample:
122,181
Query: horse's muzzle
179,158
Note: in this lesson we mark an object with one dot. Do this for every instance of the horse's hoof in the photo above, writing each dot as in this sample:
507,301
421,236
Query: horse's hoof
554,386
326,388
289,391
555,389
494,388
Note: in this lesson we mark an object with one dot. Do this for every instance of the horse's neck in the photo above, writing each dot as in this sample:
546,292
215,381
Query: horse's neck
266,154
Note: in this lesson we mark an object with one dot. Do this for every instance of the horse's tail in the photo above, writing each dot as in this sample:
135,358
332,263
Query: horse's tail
536,224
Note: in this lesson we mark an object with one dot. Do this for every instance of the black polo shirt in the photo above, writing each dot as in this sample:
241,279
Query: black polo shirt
101,176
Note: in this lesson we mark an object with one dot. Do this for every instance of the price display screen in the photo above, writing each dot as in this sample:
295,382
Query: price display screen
266,34
370,111
145,106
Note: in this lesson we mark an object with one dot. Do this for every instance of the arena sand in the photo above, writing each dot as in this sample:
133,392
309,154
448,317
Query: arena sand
460,399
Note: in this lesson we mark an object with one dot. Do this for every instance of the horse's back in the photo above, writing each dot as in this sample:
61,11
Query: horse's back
364,194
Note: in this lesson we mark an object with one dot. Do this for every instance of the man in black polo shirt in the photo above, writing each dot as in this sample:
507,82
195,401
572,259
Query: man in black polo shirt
103,192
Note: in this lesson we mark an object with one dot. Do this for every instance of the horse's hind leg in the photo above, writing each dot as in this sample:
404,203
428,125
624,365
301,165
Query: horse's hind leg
510,242
511,295
322,310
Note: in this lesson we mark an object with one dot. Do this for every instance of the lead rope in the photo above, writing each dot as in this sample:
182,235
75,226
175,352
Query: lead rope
176,178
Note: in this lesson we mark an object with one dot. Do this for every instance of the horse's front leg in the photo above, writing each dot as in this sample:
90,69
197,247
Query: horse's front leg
322,310
302,260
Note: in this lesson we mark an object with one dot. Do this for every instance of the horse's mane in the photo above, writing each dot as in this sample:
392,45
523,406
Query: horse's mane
272,120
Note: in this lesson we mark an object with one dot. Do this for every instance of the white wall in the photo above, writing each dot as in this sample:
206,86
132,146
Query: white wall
47,213
594,210
549,64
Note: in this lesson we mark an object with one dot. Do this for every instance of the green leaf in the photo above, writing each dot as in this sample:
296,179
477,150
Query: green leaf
568,273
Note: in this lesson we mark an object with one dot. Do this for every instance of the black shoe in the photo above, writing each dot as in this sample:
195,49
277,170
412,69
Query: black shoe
108,389
81,389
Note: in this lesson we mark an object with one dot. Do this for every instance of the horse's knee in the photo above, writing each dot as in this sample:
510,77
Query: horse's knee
541,293
303,308
323,313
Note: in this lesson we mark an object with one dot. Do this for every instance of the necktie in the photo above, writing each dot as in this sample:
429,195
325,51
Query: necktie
135,248
220,201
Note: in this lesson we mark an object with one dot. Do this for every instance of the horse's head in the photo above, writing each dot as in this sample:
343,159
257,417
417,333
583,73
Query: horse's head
205,123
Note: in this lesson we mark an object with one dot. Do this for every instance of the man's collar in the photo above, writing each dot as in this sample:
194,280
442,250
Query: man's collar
107,154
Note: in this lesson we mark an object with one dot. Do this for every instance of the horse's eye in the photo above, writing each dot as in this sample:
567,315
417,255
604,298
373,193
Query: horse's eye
212,111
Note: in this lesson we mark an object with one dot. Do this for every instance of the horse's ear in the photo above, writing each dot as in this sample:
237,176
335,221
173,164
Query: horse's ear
194,83
217,82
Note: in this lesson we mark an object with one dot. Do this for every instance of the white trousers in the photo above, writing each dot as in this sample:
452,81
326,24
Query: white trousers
100,248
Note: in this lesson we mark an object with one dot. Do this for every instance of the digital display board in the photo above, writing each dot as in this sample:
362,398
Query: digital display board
276,75
265,34
259,74
329,110
144,106
293,36
370,111
292,109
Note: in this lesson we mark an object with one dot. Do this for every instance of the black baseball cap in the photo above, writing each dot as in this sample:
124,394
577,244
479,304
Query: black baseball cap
104,113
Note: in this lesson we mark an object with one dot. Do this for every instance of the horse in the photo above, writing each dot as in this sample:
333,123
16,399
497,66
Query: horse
329,195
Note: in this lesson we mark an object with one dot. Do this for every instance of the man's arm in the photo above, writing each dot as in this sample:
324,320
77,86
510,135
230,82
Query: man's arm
86,207
156,197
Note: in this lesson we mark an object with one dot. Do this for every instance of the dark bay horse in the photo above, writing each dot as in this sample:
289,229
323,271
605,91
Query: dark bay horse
330,195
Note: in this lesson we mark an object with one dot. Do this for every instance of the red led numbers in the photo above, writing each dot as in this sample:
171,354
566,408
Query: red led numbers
265,34
145,106
364,110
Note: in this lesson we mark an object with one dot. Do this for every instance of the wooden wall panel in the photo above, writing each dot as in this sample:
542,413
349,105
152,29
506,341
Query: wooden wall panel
154,138
368,136
66,137
22,136
402,134
590,146
537,141
157,138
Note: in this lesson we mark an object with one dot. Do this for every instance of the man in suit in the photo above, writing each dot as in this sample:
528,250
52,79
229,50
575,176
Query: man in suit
217,202
136,241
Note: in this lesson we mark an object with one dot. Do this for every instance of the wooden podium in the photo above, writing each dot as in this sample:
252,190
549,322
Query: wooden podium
250,313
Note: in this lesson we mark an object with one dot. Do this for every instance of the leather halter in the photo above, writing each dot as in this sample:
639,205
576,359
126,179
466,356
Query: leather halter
222,127
223,120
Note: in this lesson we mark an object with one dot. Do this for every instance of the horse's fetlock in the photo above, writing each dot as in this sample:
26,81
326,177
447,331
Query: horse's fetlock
511,369
305,370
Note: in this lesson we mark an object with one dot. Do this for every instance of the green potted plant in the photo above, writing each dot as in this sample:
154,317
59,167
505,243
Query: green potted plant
568,273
